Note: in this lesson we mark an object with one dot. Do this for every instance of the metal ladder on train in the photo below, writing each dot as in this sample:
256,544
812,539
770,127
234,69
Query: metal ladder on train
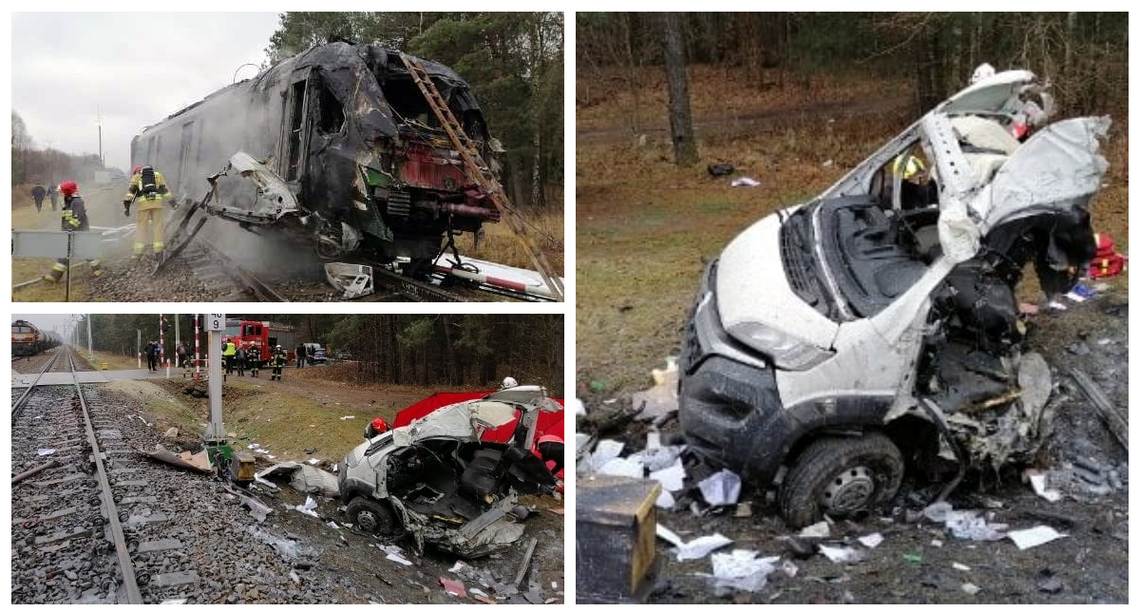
480,173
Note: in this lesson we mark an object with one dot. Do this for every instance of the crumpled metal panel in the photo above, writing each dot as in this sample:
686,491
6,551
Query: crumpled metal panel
1057,166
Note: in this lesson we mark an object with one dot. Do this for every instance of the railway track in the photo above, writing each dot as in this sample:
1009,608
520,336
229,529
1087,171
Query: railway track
95,521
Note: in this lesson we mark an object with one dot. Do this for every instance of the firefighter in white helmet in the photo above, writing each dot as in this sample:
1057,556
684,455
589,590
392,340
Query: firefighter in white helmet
508,383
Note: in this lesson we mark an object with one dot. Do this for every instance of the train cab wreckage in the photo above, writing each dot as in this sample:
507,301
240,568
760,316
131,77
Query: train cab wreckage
443,482
369,155
875,329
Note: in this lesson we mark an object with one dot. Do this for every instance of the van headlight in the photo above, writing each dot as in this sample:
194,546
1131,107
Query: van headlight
785,350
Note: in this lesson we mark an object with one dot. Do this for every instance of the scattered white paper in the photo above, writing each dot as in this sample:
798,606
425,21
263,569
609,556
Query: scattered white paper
743,570
314,461
819,530
394,554
697,548
745,182
622,467
604,451
1037,479
665,500
1033,537
671,478
842,554
44,452
347,417
960,566
871,541
721,488
579,408
309,508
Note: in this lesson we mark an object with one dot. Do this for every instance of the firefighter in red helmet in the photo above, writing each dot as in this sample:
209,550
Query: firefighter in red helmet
73,218
375,428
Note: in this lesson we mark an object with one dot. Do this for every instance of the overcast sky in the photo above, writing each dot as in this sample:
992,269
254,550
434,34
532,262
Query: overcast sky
134,68
49,322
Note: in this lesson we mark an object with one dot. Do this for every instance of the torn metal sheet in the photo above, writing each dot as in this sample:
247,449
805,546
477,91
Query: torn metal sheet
350,279
304,478
198,461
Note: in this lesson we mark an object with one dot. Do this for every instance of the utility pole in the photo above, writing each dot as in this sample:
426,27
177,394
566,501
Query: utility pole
138,346
177,336
99,116
90,352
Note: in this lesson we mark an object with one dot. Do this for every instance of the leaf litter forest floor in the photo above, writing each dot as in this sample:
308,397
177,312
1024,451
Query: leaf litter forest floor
646,229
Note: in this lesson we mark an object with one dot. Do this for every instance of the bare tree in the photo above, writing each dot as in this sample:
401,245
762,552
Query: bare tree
680,117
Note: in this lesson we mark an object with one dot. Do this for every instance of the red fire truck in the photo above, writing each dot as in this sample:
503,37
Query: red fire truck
263,333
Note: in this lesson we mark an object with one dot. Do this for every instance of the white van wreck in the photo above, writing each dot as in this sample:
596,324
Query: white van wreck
838,342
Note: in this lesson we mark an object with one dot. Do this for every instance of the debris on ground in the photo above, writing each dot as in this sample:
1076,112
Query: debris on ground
1033,537
697,548
303,478
743,570
745,182
194,461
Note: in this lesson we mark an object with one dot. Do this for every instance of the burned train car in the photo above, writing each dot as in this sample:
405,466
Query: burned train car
28,340
370,172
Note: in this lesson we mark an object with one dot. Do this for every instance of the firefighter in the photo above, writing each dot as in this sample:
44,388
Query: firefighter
917,190
375,428
73,218
38,194
509,382
228,353
53,194
151,356
551,448
239,360
280,358
148,189
253,356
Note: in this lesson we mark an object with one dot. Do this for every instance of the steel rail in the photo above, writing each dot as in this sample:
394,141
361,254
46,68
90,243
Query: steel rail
19,404
130,584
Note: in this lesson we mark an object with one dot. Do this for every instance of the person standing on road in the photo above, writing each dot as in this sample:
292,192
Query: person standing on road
280,358
150,355
301,355
38,194
53,194
147,189
239,360
228,355
253,357
182,355
72,219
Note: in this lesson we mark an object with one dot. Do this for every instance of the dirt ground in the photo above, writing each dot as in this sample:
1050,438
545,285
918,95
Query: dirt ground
646,229
298,419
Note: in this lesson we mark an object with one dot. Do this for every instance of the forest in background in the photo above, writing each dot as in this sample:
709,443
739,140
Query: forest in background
447,350
1084,55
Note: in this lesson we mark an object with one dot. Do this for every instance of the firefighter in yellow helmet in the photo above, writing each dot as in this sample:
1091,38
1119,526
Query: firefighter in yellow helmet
917,189
148,190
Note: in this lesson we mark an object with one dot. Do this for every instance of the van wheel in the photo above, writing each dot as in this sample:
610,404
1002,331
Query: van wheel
840,477
372,517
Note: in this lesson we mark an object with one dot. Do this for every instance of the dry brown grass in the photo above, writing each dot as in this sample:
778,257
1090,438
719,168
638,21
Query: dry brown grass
500,245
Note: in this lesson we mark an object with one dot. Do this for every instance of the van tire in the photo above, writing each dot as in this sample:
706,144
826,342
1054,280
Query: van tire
371,517
868,468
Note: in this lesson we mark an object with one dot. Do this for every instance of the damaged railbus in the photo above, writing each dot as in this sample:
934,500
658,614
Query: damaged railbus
344,151
875,328
440,482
